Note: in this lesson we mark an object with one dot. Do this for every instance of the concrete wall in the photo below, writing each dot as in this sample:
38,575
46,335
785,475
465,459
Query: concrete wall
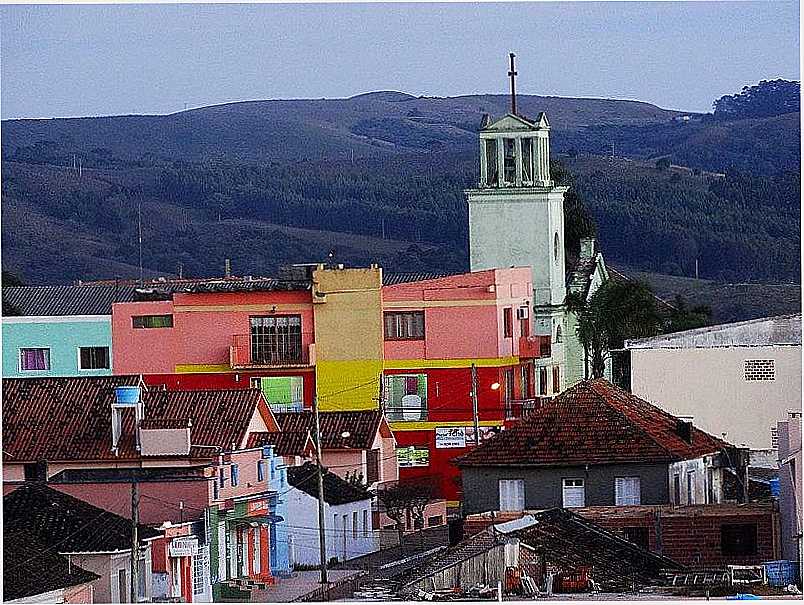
544,486
63,336
700,486
303,529
348,337
709,384
790,491
107,566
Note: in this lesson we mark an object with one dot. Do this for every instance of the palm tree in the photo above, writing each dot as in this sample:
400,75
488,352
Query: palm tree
617,311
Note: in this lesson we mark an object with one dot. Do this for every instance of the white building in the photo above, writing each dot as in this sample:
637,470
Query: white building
737,379
348,525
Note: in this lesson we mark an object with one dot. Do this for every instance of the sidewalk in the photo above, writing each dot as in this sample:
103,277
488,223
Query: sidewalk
300,584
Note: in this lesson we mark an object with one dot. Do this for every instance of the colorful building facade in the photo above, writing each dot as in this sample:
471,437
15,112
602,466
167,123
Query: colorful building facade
438,333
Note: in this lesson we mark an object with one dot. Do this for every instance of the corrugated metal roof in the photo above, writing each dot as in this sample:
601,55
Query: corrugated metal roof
36,301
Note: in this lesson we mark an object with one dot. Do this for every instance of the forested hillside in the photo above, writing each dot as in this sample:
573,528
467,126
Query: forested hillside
379,178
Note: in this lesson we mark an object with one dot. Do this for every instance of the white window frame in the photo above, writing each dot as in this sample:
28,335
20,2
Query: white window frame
200,566
511,494
573,483
627,491
24,370
81,368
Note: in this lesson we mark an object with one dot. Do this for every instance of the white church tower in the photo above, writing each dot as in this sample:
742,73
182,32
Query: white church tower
516,215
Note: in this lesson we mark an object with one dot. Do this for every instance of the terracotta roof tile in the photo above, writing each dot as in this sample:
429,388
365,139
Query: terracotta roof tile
361,426
593,422
286,443
70,418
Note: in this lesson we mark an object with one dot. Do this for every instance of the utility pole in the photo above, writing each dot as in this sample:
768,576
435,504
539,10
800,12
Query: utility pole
474,404
135,520
321,534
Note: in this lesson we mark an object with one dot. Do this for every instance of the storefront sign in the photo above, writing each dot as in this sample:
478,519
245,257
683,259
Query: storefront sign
451,436
486,432
257,507
184,547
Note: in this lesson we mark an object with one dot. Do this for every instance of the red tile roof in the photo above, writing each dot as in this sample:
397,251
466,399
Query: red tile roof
362,427
593,422
286,443
70,418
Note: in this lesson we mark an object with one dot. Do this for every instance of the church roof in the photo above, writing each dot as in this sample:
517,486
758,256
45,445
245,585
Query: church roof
512,123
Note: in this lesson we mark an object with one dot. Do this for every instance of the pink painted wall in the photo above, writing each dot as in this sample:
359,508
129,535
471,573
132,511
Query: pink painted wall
198,337
341,462
461,332
247,484
142,350
83,593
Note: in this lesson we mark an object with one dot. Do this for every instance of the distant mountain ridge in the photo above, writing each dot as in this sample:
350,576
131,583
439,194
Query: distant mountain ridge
379,177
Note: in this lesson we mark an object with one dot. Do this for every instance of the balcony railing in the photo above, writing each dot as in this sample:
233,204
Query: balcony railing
271,350
534,347
517,408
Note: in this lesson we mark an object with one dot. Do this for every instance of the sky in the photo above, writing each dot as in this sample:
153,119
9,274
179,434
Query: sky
86,60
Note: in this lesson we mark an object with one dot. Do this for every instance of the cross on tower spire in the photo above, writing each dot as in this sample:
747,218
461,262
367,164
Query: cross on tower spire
512,74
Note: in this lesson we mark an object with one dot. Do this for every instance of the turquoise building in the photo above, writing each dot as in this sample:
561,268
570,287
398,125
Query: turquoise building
59,330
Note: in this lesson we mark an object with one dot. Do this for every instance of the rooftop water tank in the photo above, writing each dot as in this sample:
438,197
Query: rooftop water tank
127,395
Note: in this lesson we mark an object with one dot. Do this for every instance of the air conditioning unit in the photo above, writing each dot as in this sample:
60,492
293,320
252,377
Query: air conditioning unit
522,312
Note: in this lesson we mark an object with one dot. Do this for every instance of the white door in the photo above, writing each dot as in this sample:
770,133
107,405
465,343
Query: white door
512,494
574,493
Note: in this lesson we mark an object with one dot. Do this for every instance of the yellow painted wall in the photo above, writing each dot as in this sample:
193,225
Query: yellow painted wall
348,337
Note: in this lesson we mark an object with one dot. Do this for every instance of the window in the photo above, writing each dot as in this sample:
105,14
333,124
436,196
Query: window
638,536
774,438
93,358
512,494
508,322
556,379
122,588
677,489
223,477
710,486
556,247
354,524
406,396
435,520
691,487
282,393
525,381
509,165
491,162
34,360
35,471
216,490
527,160
542,381
626,491
508,376
260,473
372,466
366,528
406,325
738,540
574,493
276,339
235,474
413,456
558,333
759,369
152,321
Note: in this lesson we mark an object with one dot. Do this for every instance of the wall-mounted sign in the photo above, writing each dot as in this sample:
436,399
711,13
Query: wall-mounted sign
450,436
486,432
257,507
184,547
413,456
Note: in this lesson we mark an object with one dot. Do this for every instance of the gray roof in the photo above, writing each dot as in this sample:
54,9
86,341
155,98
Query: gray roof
37,301
762,332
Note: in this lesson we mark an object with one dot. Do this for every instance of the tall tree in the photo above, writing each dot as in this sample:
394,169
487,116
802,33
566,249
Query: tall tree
617,311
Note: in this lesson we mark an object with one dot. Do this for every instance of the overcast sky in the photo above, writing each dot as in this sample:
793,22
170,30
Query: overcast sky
101,60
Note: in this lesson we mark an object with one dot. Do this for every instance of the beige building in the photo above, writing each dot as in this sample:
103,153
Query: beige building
737,379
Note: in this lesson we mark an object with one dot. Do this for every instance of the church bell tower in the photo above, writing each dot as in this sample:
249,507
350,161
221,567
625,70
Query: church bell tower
516,212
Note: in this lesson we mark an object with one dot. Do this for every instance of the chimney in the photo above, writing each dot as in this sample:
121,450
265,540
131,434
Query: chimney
684,428
587,247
